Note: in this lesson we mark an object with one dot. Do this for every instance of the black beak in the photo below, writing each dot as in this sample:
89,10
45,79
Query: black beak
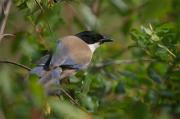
106,39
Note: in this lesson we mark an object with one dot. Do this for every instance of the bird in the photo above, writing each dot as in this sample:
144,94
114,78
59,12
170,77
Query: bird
72,53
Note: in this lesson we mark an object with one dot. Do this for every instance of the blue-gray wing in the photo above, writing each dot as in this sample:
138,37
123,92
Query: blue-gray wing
42,65
43,60
59,56
56,59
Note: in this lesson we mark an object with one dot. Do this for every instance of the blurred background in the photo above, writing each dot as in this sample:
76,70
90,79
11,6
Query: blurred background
135,77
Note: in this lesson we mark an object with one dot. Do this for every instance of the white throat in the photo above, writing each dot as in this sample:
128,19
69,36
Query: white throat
93,46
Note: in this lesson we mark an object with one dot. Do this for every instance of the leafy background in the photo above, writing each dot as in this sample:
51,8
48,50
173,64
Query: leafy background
135,77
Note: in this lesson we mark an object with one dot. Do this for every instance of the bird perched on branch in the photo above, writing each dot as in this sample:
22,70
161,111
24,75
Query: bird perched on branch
72,53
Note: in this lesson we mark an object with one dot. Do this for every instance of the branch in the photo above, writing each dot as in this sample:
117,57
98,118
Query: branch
73,101
6,35
14,63
69,96
5,12
39,5
118,62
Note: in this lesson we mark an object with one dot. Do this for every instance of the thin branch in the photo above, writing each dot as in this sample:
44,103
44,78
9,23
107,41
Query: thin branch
4,21
73,101
14,63
118,62
39,5
7,34
69,96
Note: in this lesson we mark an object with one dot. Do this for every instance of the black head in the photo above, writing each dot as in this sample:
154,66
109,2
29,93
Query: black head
91,37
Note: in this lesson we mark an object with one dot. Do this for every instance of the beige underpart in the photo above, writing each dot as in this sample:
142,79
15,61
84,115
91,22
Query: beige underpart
77,49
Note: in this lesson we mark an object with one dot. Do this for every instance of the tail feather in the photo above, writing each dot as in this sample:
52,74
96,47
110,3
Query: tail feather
49,79
39,71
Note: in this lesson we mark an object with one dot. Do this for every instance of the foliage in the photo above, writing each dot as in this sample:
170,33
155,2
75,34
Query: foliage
135,77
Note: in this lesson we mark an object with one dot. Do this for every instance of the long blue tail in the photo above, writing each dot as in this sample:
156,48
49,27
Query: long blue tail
49,79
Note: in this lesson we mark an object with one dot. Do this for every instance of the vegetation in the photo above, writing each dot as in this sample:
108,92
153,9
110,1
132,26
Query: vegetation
135,77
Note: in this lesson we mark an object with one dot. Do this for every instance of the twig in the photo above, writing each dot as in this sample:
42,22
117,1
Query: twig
6,13
39,5
67,94
14,63
5,35
118,62
72,100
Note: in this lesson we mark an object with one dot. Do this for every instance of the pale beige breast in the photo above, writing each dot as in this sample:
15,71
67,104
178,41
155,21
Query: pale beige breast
77,49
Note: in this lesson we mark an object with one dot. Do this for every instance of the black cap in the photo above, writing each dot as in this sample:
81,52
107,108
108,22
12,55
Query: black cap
91,37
